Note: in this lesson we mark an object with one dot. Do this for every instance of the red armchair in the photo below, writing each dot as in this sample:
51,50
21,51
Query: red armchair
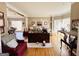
18,51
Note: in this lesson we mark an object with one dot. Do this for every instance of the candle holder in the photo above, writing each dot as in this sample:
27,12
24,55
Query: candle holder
43,43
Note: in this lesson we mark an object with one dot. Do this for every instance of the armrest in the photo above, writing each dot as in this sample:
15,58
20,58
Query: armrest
20,41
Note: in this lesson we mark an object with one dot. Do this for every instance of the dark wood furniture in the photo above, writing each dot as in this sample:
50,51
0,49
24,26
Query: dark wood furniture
71,44
63,41
74,24
71,52
38,37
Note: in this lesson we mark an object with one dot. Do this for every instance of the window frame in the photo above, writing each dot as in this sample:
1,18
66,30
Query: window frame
18,20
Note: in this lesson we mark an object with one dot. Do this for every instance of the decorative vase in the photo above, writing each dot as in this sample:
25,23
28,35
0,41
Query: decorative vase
43,43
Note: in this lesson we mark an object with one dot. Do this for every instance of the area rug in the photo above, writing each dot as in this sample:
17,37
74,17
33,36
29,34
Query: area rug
39,45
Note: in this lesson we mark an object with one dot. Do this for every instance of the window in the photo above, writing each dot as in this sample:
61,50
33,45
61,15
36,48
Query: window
57,25
66,23
62,23
17,25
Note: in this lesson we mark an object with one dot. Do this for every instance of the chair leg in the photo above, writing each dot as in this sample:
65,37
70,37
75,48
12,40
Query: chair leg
61,47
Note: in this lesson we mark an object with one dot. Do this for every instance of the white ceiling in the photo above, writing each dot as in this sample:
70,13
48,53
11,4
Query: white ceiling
42,8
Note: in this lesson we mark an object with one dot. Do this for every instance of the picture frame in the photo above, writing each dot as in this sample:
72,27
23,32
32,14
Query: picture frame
39,23
33,22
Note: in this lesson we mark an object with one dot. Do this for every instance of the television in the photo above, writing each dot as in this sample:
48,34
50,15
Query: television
19,35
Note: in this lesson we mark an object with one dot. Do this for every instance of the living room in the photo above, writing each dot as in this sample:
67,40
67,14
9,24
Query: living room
39,28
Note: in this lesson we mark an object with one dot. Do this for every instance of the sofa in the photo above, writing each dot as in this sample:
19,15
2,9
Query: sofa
18,50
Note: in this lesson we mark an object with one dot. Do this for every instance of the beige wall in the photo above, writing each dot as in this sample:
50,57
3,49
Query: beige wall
42,20
75,15
3,9
13,14
74,11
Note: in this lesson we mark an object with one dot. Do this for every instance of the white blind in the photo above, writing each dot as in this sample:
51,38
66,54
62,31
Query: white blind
62,23
57,25
17,25
66,24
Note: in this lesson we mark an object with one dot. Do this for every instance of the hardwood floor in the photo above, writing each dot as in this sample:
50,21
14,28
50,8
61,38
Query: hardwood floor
55,51
39,52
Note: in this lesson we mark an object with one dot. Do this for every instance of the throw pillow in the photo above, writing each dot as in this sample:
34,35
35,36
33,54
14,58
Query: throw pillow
12,44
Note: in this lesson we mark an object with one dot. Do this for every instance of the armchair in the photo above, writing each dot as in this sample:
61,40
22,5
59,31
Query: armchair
18,51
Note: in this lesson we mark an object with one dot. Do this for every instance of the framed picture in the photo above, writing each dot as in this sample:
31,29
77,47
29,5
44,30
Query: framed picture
39,23
33,22
2,22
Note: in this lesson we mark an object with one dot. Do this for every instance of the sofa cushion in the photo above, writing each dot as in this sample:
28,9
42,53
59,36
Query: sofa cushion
6,38
12,43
